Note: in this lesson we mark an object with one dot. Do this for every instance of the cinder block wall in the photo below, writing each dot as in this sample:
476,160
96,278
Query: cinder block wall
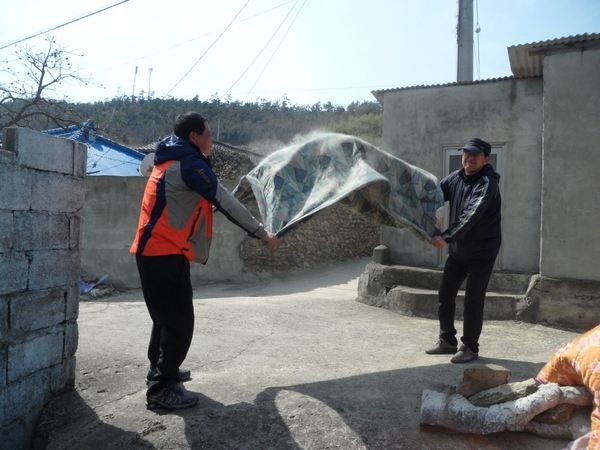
41,195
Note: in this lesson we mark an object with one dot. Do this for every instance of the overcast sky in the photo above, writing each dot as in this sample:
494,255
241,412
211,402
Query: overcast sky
310,50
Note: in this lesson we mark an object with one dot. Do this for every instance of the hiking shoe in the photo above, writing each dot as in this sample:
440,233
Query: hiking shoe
171,397
441,348
184,374
464,355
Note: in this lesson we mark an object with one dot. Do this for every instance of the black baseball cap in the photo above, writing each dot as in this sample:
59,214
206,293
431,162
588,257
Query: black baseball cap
476,145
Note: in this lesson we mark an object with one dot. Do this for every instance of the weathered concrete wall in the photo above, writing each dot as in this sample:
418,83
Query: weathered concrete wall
41,196
571,212
417,123
111,214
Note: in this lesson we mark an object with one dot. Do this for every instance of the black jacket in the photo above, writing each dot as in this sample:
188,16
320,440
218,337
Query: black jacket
474,230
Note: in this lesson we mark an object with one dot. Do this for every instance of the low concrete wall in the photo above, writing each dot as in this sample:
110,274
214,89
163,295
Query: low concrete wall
41,196
111,213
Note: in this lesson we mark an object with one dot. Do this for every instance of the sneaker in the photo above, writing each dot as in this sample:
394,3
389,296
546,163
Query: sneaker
171,397
184,374
464,355
442,348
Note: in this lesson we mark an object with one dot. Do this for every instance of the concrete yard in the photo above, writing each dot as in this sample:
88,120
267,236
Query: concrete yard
281,361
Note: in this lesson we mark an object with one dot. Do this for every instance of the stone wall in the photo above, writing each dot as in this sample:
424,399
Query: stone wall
41,196
334,234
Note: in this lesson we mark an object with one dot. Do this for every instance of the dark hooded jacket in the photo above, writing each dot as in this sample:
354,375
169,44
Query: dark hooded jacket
176,213
475,204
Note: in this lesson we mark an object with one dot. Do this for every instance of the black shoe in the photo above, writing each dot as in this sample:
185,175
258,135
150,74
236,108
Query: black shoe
171,397
464,355
184,374
441,348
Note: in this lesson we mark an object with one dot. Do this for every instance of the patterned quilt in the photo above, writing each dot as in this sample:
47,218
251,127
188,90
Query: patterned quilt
292,184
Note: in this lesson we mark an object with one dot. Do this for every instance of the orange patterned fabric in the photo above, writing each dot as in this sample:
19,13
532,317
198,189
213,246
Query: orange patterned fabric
578,364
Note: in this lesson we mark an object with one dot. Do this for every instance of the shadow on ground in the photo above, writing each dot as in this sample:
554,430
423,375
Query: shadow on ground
371,411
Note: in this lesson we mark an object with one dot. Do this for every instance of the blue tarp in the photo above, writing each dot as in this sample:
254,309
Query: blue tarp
104,157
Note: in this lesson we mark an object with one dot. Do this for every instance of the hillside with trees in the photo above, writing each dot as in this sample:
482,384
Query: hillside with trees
261,126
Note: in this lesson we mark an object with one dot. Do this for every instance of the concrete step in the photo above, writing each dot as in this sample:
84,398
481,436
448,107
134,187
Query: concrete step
413,291
424,303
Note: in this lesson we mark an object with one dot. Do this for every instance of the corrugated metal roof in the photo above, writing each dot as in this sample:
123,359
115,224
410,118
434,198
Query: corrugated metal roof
527,60
104,156
380,93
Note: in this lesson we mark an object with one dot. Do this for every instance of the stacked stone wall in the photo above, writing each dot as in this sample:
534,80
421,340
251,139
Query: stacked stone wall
332,235
41,195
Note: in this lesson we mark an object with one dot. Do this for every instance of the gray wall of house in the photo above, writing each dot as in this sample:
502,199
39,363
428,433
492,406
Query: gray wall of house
41,196
571,212
418,123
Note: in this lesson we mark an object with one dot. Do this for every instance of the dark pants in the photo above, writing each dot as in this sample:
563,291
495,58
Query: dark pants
168,294
477,272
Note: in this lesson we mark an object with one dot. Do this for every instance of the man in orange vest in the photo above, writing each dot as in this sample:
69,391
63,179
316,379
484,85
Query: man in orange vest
175,227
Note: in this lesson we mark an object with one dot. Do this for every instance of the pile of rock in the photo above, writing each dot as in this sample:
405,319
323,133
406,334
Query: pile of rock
485,402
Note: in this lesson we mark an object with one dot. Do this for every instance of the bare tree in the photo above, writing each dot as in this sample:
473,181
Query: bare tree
29,87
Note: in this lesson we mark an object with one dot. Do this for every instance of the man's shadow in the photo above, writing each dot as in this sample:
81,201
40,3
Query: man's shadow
371,411
80,427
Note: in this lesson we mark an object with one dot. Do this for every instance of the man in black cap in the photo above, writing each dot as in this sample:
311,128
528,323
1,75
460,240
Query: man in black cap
474,238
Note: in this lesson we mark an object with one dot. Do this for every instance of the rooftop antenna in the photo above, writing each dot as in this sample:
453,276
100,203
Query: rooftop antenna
133,90
464,40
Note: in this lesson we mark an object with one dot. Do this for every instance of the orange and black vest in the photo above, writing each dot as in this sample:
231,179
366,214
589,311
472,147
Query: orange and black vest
177,208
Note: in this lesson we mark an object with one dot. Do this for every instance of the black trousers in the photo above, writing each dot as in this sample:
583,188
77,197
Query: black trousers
477,272
168,294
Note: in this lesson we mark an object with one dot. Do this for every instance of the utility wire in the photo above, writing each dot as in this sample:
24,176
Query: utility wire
279,45
263,49
211,45
64,24
192,39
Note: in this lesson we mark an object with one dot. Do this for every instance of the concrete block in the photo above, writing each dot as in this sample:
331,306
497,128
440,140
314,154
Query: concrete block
3,320
13,272
480,377
71,340
79,159
7,157
6,231
75,232
63,374
20,433
72,303
43,152
15,189
40,351
36,230
57,193
3,364
381,254
51,268
24,397
34,310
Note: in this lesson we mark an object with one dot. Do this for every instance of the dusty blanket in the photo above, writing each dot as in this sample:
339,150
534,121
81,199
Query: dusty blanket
294,183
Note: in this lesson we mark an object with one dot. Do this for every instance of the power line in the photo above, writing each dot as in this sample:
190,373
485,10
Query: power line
279,45
211,45
263,49
193,39
64,24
